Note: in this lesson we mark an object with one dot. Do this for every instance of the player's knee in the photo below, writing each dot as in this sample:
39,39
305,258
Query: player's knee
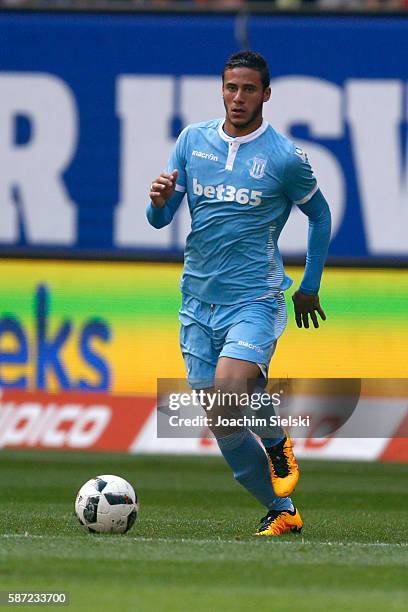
231,394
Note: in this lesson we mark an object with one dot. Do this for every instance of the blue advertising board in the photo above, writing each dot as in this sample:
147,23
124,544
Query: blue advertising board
90,106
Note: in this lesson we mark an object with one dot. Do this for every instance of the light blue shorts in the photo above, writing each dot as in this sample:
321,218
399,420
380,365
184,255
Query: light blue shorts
247,331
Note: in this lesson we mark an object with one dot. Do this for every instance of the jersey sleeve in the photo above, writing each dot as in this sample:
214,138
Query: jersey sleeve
299,182
177,161
319,216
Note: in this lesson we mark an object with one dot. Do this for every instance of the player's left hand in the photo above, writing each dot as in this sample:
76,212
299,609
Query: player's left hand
307,305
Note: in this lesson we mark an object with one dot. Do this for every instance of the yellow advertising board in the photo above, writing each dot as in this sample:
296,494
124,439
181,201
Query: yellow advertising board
104,326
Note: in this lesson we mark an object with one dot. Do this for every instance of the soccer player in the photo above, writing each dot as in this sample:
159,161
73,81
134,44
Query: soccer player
241,178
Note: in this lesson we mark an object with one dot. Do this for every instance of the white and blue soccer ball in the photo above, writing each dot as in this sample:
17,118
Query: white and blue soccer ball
107,504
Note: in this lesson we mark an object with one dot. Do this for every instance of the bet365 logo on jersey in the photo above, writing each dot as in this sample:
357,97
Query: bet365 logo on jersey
228,193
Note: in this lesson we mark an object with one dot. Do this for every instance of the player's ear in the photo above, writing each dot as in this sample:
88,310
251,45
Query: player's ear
267,94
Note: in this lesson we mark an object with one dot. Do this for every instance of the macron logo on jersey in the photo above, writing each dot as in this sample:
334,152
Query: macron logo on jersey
228,193
209,156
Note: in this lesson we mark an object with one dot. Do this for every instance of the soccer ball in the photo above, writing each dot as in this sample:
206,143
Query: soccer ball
107,504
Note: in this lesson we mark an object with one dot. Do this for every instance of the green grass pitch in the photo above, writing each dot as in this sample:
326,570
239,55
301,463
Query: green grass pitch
192,547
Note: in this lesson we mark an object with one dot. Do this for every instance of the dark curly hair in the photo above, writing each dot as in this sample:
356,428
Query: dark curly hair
249,59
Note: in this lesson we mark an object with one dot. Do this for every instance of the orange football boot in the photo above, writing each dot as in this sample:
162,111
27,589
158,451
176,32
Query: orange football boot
283,467
277,522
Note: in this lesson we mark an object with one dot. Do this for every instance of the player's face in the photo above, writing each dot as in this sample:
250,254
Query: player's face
244,96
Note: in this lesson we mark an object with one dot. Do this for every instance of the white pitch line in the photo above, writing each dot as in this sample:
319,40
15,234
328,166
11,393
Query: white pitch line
271,541
254,542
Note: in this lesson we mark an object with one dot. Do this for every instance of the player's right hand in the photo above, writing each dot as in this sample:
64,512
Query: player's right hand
163,188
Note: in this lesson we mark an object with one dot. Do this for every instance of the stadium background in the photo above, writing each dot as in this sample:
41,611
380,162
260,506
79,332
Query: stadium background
91,102
86,126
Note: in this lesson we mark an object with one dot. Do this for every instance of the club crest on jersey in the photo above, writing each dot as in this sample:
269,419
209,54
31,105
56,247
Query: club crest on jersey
257,170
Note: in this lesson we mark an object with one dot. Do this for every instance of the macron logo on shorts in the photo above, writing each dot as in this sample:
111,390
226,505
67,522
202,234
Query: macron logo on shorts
250,346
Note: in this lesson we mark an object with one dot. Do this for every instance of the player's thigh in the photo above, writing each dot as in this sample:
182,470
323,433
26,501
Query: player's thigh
237,375
235,381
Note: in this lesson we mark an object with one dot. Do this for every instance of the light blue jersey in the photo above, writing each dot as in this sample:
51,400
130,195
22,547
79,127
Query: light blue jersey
240,191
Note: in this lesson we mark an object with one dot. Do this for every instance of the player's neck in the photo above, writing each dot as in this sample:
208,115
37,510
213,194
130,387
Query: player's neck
234,131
